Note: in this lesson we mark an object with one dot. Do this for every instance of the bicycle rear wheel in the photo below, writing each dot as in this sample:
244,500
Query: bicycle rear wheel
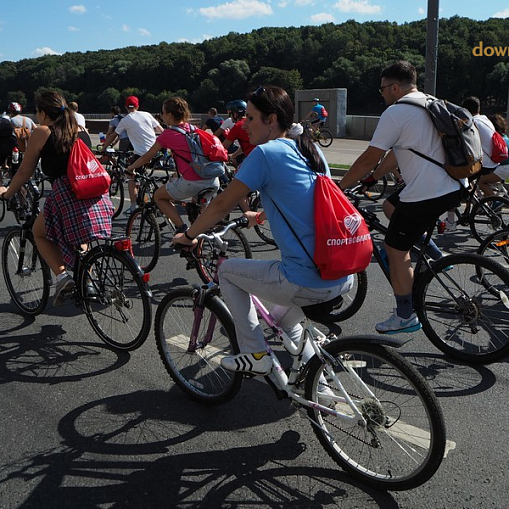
206,253
198,373
353,300
262,230
118,307
145,234
28,287
117,194
463,309
489,215
325,138
402,441
2,210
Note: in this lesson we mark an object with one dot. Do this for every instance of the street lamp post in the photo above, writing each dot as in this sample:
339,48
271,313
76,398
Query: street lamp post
430,76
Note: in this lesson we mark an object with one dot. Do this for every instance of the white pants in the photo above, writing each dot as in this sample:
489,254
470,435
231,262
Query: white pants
239,278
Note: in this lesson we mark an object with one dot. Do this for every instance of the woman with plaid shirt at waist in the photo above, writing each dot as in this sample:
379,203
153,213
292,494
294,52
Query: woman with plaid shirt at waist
66,222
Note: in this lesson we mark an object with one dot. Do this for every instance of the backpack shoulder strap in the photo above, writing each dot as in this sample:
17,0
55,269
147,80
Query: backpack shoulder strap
178,129
174,152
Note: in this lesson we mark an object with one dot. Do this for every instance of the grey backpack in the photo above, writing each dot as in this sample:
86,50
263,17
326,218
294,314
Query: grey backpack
460,136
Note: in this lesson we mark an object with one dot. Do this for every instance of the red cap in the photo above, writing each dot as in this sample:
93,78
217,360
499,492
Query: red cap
132,102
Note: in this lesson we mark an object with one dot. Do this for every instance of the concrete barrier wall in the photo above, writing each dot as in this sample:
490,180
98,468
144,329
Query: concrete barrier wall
358,127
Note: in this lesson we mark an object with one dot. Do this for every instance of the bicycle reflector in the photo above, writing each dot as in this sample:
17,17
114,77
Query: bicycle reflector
146,277
123,245
502,243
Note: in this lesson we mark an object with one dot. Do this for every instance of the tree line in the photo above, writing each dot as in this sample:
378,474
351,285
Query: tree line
348,55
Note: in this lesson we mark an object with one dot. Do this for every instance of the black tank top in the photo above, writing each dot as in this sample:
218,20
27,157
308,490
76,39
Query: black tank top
53,163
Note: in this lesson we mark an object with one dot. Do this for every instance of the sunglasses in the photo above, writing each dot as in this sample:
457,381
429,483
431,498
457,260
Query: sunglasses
259,92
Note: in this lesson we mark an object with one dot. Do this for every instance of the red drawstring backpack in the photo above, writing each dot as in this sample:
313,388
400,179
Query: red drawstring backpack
343,243
86,174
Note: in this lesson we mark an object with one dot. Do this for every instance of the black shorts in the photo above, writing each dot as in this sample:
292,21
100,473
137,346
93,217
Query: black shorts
410,221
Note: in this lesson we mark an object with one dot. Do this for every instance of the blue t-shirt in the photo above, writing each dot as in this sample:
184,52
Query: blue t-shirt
279,171
318,110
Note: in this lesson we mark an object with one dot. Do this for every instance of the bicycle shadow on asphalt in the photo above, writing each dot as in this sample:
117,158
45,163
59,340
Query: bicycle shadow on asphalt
126,442
48,357
451,378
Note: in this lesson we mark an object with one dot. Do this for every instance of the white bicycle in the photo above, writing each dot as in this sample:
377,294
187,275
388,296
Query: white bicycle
371,410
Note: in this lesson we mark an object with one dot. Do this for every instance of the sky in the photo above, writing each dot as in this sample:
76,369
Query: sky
59,26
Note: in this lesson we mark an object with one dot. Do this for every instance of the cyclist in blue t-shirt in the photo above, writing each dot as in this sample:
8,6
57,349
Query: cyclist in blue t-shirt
316,114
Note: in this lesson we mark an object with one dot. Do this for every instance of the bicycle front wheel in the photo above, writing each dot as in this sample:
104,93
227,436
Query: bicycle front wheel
262,230
400,441
489,215
496,248
197,369
145,235
206,254
26,274
325,138
115,298
463,307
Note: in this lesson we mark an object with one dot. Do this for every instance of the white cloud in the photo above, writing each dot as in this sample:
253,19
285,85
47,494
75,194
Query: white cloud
421,11
144,32
323,17
283,4
78,9
238,9
302,3
39,52
197,40
73,29
357,6
502,14
126,28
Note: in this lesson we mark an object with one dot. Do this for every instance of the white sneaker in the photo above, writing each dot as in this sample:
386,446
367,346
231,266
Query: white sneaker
395,324
64,288
246,363
326,396
450,227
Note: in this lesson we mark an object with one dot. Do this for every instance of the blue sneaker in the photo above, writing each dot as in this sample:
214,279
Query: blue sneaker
395,324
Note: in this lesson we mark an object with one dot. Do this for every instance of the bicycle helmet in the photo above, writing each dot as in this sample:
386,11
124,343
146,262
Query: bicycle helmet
237,106
316,100
15,107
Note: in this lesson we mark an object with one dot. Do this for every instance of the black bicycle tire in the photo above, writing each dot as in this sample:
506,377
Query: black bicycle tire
118,181
40,266
201,269
387,478
195,388
325,138
476,311
372,195
497,222
502,237
149,261
349,306
261,230
2,210
112,295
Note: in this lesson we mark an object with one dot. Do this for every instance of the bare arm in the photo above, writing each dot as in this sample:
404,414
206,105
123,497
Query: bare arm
145,158
362,166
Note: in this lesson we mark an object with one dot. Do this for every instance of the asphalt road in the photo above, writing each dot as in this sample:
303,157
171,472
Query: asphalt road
87,427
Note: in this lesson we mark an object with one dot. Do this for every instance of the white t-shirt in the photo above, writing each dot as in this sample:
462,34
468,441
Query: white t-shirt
404,126
486,130
139,126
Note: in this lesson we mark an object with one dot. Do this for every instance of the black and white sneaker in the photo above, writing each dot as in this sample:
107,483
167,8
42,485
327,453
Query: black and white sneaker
246,363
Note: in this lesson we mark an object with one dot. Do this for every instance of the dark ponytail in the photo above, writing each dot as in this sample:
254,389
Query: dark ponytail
65,126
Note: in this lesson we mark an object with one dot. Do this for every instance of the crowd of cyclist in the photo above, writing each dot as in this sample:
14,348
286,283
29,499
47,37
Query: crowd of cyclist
271,155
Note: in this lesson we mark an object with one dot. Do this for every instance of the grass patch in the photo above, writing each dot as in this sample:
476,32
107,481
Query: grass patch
340,166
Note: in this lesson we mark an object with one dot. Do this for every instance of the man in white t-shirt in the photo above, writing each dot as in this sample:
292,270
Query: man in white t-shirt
429,191
141,128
